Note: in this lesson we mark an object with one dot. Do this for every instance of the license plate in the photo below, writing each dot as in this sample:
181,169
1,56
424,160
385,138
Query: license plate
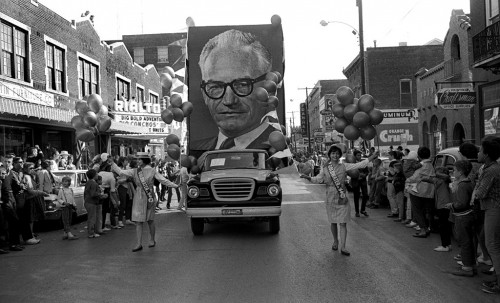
227,212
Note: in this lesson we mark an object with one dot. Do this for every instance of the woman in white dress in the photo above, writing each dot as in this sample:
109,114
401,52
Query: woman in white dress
145,201
338,208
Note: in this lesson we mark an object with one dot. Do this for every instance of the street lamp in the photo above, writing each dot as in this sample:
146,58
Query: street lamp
361,44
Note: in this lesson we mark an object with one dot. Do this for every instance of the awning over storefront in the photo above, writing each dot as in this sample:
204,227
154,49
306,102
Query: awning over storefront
144,136
56,114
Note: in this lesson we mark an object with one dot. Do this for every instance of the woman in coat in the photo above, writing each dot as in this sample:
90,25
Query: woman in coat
143,207
338,212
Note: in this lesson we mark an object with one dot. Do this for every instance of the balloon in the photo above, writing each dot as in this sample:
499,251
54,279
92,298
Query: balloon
272,76
187,108
273,101
81,107
275,20
340,125
77,122
366,103
84,135
166,81
103,111
176,101
367,133
349,111
350,158
283,129
178,114
345,95
185,161
174,151
376,116
103,123
351,132
95,103
338,110
361,119
167,116
353,173
261,94
170,71
173,139
195,169
90,119
279,76
270,86
271,151
277,140
193,160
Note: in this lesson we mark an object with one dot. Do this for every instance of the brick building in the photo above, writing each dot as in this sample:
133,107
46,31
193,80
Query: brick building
48,63
442,125
389,77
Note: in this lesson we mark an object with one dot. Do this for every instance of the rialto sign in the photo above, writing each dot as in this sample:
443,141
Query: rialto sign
456,98
139,114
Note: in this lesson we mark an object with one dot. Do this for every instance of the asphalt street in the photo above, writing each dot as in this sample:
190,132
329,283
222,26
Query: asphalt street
241,262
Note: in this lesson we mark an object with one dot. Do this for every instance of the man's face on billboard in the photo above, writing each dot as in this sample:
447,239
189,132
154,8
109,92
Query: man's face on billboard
233,115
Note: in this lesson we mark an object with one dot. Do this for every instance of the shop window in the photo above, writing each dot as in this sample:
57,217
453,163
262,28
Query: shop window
139,55
122,89
491,121
56,69
15,139
88,78
14,61
163,54
140,94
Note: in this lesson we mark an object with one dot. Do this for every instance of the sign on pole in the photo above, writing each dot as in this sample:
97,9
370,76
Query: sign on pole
456,98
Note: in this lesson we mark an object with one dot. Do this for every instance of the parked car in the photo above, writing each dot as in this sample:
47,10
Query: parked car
78,180
447,158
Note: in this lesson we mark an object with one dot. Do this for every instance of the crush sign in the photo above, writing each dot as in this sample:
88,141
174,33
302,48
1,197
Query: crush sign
399,127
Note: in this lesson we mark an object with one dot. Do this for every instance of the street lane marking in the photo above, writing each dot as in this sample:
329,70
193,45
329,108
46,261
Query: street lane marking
302,202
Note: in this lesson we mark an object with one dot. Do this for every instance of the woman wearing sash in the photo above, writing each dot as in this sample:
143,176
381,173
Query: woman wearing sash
145,201
338,208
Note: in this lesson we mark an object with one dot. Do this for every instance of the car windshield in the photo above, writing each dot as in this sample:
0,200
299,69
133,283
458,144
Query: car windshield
77,179
251,160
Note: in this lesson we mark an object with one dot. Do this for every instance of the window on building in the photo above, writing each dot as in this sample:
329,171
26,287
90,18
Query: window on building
88,78
14,62
140,94
153,99
494,10
56,69
405,93
122,89
163,54
139,55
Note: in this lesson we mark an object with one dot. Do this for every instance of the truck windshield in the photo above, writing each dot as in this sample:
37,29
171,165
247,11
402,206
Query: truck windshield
249,160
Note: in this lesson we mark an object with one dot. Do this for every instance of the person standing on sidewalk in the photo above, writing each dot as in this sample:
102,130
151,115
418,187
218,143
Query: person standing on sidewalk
92,202
183,179
172,176
487,191
360,187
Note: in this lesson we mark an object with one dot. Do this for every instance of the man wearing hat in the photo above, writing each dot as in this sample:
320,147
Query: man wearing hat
145,201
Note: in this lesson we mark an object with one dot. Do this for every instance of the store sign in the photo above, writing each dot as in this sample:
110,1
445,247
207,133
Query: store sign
136,107
151,121
456,98
25,94
397,134
303,119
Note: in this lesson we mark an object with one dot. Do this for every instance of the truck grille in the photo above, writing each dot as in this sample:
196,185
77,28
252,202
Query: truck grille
234,189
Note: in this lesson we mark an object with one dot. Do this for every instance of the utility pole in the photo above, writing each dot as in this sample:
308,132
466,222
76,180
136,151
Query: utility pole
307,116
359,3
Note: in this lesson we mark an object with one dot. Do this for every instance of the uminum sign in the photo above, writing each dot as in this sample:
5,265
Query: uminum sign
399,127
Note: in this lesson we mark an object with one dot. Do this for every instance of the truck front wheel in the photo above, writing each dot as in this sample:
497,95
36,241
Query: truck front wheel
197,226
274,225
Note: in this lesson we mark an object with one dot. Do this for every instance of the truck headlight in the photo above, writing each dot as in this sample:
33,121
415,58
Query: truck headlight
273,190
193,192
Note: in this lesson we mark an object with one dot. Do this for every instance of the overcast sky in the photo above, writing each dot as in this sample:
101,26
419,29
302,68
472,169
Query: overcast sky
312,52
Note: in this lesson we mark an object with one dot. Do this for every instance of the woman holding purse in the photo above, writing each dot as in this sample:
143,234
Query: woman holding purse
338,209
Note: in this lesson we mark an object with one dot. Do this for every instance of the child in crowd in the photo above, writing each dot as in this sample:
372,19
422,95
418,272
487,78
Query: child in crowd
68,205
463,213
399,187
91,196
410,165
442,198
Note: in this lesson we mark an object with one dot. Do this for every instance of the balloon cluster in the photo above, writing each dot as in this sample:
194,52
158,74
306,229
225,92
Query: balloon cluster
266,94
174,152
92,118
356,117
177,110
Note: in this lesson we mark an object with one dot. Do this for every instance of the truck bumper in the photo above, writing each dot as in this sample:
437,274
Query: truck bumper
234,212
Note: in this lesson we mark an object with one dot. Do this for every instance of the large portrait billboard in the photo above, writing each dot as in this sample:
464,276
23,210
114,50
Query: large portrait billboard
226,66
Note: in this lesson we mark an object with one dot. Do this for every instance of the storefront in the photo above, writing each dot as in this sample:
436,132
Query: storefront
489,109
